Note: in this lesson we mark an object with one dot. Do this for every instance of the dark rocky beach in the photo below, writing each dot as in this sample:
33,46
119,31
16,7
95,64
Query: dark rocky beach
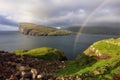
14,67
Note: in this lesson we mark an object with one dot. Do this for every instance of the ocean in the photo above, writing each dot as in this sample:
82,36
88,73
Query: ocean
13,40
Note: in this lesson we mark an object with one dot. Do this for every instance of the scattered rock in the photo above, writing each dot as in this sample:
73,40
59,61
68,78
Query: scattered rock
117,76
16,67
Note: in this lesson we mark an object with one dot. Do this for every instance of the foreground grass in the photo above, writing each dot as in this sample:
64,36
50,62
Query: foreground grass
42,53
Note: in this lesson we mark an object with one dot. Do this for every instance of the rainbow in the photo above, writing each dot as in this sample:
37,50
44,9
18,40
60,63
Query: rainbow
87,20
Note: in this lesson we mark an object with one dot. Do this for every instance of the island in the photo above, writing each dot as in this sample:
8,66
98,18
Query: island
39,30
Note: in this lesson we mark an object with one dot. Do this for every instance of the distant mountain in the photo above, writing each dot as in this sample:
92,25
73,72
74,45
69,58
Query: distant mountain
73,28
95,29
39,30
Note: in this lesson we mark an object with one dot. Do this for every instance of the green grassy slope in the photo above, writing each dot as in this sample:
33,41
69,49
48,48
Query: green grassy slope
101,61
42,53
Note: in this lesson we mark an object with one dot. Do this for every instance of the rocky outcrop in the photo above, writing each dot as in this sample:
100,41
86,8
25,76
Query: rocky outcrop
104,49
39,30
16,67
25,30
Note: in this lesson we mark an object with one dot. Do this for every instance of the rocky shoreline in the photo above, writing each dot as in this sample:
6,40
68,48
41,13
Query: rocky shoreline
14,67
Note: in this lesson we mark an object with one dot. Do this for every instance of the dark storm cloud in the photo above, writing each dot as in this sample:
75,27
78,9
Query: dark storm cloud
61,12
4,21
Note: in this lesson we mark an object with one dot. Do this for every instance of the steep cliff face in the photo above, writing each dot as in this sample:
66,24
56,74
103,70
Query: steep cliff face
25,30
33,29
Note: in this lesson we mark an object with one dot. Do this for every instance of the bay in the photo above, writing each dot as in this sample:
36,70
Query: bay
13,40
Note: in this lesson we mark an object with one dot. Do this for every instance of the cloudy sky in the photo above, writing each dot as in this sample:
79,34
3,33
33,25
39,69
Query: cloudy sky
61,13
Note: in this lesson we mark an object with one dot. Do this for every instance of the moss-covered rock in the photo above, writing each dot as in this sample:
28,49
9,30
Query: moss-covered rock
43,53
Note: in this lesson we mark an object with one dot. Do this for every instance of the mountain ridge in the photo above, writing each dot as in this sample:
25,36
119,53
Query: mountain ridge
95,30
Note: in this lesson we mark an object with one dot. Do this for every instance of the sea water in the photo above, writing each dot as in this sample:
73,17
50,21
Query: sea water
13,40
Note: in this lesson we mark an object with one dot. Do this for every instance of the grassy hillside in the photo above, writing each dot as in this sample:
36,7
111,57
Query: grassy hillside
33,29
101,61
42,53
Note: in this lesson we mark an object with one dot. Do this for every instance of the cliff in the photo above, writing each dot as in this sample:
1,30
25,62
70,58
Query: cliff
39,30
101,61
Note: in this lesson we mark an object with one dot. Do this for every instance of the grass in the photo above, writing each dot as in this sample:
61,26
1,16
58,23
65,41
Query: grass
72,67
105,48
60,32
95,69
42,53
117,40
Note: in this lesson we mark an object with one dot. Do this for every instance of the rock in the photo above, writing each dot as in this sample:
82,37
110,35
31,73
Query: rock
77,78
117,76
19,67
1,51
64,58
34,73
11,77
18,75
27,75
40,76
60,78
